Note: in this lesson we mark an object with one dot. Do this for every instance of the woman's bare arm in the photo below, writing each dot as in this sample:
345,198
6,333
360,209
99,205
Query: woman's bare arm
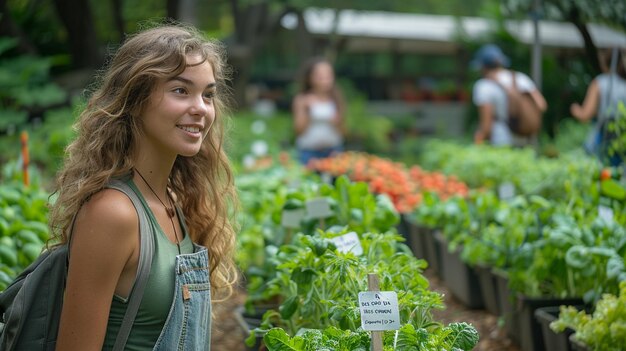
485,120
300,114
539,100
589,107
105,243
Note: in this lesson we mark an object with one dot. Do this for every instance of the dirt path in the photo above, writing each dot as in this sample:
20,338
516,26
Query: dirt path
492,337
228,335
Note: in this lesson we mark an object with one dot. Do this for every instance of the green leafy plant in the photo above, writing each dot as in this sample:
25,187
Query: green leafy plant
318,285
23,224
604,329
483,166
24,86
265,195
548,248
455,336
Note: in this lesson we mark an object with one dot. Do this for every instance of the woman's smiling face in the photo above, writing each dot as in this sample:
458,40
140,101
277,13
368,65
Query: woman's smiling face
180,112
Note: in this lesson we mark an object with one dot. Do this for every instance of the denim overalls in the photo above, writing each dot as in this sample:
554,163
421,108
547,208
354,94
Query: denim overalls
188,324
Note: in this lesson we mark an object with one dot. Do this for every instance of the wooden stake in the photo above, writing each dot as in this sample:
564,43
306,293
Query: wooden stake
288,236
377,336
25,157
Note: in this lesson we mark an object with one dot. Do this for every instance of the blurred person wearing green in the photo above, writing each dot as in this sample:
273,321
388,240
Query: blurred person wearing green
490,96
602,100
318,112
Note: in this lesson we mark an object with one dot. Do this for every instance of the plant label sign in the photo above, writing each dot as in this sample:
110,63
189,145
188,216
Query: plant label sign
292,218
348,242
326,178
294,184
379,310
506,191
318,208
606,213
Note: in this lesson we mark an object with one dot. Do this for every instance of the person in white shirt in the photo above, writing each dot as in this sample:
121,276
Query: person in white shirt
490,97
318,112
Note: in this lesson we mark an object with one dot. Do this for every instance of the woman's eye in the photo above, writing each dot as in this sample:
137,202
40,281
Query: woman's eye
209,95
179,91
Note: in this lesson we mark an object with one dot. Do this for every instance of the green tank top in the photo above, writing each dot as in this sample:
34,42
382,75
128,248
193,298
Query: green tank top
156,302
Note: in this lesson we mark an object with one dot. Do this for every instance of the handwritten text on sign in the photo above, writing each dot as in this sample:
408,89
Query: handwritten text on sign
348,243
379,310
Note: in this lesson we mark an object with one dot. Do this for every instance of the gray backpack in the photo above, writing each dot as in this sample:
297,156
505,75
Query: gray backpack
30,308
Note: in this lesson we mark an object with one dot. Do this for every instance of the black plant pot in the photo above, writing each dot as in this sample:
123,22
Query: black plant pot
552,340
508,304
416,240
489,289
531,338
432,250
248,322
459,277
404,229
578,345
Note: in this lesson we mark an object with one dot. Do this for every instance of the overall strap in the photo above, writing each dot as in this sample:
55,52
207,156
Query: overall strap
145,262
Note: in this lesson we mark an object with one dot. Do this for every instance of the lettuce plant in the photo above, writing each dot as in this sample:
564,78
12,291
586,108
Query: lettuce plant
604,329
454,337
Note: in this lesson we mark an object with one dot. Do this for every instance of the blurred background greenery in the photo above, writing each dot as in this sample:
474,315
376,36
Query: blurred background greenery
402,87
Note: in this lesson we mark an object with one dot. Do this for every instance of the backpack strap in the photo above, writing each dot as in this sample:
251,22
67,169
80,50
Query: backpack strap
143,269
507,90
513,80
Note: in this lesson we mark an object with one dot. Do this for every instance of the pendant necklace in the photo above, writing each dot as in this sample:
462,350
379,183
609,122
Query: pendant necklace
169,210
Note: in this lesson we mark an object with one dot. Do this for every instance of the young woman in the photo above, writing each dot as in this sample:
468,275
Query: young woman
156,122
604,95
319,112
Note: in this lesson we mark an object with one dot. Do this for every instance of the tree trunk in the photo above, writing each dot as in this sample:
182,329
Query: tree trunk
591,51
304,41
333,38
77,20
254,25
172,8
188,11
118,17
10,29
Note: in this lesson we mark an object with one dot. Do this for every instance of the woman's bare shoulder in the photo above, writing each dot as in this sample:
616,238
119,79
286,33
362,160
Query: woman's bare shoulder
302,99
109,214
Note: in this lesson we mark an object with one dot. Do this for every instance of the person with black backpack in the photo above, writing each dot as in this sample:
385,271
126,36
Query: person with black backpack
147,165
604,95
509,103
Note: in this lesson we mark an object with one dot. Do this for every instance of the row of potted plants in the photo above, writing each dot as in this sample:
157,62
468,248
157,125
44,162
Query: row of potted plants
404,185
304,287
525,251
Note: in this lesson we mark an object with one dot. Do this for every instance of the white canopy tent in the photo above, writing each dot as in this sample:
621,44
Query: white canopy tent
406,32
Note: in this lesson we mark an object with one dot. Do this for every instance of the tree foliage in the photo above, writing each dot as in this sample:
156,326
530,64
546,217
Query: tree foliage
578,12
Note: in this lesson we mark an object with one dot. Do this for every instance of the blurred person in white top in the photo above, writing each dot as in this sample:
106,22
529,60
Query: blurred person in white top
491,99
318,112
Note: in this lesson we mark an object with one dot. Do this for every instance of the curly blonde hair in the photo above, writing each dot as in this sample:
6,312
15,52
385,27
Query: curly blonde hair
105,143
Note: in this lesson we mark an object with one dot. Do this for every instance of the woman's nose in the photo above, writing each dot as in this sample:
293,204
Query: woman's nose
199,106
